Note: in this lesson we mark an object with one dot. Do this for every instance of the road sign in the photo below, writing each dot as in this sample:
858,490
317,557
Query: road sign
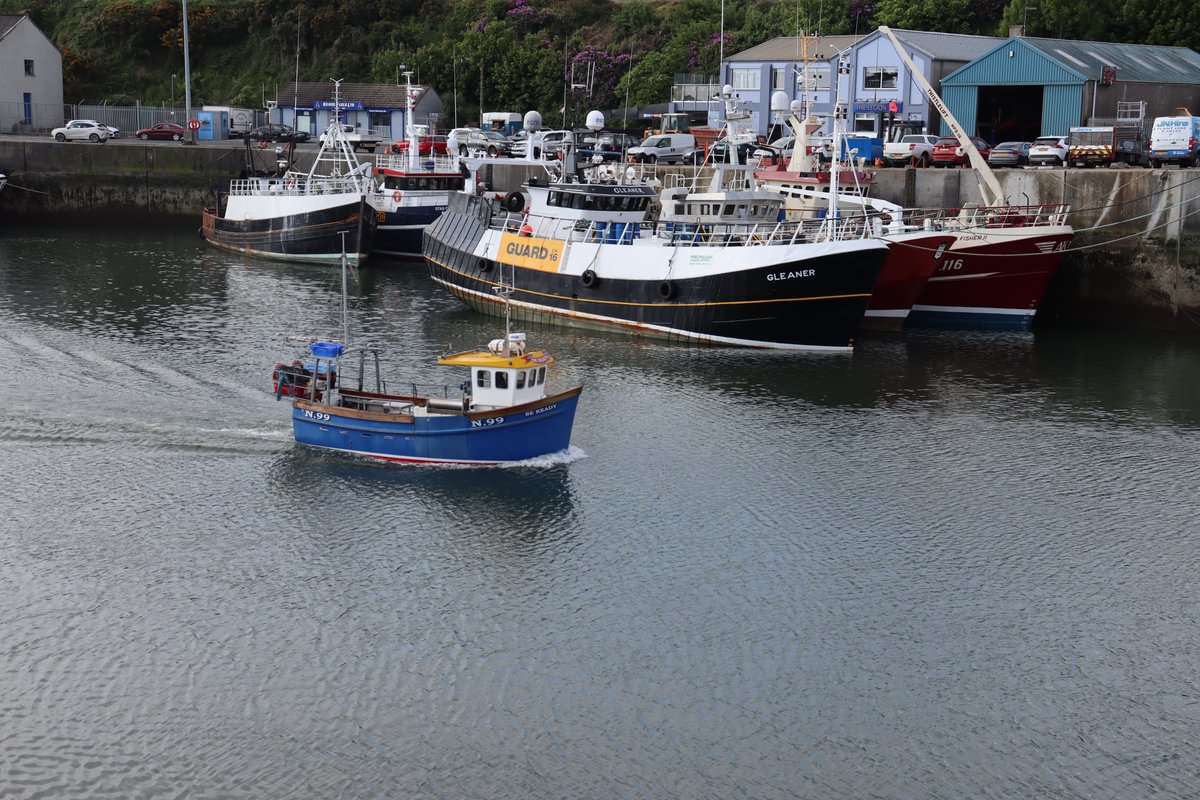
194,124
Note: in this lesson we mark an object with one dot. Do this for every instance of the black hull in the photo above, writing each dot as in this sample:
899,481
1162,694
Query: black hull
313,237
744,307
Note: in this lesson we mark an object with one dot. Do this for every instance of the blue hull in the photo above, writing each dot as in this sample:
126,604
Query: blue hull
479,438
400,231
970,320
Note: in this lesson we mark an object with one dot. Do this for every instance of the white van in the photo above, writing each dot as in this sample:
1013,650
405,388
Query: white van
1175,140
665,147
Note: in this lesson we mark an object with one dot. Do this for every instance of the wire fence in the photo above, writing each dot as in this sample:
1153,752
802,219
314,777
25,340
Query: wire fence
43,117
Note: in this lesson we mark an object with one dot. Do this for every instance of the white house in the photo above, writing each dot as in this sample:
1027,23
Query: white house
31,80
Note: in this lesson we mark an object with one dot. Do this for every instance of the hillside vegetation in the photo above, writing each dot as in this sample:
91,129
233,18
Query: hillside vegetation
503,54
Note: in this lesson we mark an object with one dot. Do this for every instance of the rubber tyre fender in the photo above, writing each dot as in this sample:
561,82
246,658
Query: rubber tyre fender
589,278
666,290
514,202
484,265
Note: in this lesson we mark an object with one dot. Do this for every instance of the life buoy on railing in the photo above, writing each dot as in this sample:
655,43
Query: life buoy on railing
396,195
589,278
666,289
514,202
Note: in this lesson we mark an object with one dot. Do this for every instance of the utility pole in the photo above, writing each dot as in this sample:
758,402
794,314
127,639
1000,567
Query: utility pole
187,82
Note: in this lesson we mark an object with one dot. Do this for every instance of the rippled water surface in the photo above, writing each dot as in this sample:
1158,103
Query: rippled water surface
952,565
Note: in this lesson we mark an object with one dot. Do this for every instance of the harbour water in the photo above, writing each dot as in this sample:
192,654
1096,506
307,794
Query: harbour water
950,565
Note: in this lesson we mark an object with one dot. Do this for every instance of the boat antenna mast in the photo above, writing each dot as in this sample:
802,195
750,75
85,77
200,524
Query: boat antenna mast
989,187
504,291
410,130
345,293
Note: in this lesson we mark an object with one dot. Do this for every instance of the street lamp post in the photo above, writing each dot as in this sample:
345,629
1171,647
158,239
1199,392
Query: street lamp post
187,82
172,95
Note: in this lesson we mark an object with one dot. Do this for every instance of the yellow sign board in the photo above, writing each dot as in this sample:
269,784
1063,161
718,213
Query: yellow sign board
531,252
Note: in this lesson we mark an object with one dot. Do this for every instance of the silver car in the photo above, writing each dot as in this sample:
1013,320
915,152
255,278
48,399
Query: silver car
87,130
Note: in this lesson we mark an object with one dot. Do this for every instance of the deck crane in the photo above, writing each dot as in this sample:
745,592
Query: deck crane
989,187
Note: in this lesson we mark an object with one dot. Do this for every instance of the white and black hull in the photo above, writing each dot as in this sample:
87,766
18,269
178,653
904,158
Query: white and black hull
809,296
315,234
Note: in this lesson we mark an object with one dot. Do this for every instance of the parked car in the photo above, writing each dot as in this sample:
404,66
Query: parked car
113,133
609,146
163,130
84,130
546,144
747,152
275,132
356,137
494,143
1048,151
785,145
1010,154
947,152
427,144
913,148
498,144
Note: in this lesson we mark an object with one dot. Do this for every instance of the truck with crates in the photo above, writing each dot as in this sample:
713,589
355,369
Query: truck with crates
1131,134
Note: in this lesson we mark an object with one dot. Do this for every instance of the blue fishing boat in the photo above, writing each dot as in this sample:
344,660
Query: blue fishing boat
502,413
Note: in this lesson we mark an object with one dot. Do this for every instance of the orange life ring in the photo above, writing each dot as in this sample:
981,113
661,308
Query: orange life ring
396,195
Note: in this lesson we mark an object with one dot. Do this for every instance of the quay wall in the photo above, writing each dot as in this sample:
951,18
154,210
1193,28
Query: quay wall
1135,259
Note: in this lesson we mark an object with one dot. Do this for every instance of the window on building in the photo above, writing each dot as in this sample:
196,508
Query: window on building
814,79
29,66
864,123
778,79
881,77
745,79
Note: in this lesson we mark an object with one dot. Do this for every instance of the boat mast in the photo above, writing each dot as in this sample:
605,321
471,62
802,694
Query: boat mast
410,130
345,293
989,187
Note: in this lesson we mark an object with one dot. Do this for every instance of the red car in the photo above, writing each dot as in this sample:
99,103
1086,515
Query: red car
163,130
947,152
425,145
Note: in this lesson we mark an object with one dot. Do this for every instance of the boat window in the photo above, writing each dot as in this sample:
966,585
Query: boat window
521,379
729,209
501,379
483,378
553,200
541,375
